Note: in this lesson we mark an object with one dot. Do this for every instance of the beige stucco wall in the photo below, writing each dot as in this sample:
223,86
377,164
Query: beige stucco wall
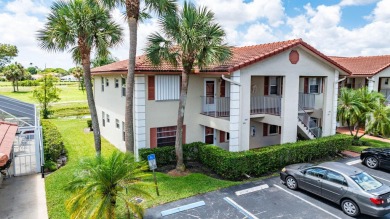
258,140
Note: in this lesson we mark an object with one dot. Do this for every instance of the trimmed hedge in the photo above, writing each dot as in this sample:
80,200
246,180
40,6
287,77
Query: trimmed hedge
53,144
166,155
256,162
28,83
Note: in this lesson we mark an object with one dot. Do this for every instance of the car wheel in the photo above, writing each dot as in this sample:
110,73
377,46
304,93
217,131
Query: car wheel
350,208
291,183
372,162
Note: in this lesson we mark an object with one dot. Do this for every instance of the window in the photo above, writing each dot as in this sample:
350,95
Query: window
313,122
108,118
314,85
166,136
103,119
117,123
123,87
116,83
316,172
107,82
123,131
336,178
167,87
227,136
273,85
102,84
366,181
273,129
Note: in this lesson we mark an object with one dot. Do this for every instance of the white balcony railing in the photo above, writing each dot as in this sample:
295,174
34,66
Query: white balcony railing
307,101
216,106
266,105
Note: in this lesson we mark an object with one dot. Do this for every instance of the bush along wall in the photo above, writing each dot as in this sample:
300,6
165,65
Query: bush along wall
234,165
52,143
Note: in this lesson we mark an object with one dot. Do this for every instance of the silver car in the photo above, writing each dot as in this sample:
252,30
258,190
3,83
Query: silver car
354,190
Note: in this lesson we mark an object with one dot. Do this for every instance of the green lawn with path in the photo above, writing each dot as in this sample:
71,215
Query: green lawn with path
80,145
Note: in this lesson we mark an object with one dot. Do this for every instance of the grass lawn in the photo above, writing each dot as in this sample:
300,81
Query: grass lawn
80,144
69,92
373,144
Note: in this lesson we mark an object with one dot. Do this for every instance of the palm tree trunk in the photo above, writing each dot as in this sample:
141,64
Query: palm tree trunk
91,103
180,167
132,12
13,85
17,85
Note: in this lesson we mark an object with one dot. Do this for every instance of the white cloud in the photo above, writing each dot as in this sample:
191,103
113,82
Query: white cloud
356,2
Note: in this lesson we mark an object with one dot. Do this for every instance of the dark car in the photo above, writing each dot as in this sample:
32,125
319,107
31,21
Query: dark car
376,157
354,190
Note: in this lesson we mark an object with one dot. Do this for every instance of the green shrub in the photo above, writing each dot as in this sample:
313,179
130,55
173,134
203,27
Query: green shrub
28,83
52,141
89,124
166,155
50,165
233,165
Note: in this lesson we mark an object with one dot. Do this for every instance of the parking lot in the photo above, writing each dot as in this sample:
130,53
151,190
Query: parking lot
267,198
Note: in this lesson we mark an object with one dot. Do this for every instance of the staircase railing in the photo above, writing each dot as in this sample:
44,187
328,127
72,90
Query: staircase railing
310,125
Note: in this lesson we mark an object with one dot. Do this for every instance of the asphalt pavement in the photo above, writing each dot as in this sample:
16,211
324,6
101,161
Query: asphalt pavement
267,198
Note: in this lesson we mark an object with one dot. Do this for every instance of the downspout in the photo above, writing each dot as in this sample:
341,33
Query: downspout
231,81
342,79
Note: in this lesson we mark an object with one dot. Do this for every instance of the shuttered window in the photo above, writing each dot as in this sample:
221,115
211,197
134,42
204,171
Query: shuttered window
167,87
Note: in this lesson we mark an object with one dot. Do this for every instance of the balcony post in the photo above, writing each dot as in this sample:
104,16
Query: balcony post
289,109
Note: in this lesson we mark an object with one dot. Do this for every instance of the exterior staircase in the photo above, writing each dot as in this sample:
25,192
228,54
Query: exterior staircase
304,127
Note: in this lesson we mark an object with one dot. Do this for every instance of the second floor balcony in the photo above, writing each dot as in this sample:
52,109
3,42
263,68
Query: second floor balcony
220,106
307,101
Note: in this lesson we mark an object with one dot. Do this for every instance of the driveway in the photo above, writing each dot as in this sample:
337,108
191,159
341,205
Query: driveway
23,197
267,198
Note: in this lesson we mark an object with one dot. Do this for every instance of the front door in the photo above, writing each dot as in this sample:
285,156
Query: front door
209,135
209,93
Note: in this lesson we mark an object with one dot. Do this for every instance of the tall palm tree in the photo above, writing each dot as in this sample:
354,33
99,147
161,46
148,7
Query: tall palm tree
348,108
133,15
101,183
81,26
380,124
191,38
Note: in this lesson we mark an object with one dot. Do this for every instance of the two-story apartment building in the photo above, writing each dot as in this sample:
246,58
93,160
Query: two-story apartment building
265,95
370,71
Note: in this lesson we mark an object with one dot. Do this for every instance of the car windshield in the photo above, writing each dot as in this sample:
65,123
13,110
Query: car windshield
366,181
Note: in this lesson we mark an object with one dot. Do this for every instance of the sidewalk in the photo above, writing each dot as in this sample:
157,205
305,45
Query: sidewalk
23,197
345,130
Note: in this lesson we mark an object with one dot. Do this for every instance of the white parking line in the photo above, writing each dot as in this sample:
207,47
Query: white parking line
307,202
253,189
182,208
240,208
353,162
380,178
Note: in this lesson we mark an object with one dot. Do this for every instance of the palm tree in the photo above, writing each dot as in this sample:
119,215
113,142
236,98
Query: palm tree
192,39
14,73
380,124
101,183
100,61
77,72
133,15
81,26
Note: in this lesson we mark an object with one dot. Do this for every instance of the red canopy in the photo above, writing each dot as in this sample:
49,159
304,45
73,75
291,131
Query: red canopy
7,136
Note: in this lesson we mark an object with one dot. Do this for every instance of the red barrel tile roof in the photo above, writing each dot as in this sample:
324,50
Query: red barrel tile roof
7,136
242,56
364,65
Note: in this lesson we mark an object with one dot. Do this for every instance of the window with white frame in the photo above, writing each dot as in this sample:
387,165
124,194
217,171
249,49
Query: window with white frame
166,136
123,87
107,82
102,84
108,118
117,123
315,85
273,129
116,83
167,87
273,85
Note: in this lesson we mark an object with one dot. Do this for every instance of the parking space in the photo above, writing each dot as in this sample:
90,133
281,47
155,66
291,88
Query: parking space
268,198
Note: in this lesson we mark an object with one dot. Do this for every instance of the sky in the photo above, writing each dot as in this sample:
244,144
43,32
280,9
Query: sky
334,27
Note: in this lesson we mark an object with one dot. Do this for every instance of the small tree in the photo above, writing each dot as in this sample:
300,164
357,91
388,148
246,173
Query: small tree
100,61
102,183
46,93
78,73
7,53
14,73
356,109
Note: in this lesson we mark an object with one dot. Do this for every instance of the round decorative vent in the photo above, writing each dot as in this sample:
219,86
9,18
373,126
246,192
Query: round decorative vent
294,57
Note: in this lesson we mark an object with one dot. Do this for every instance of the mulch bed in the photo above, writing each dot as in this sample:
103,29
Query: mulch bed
191,167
